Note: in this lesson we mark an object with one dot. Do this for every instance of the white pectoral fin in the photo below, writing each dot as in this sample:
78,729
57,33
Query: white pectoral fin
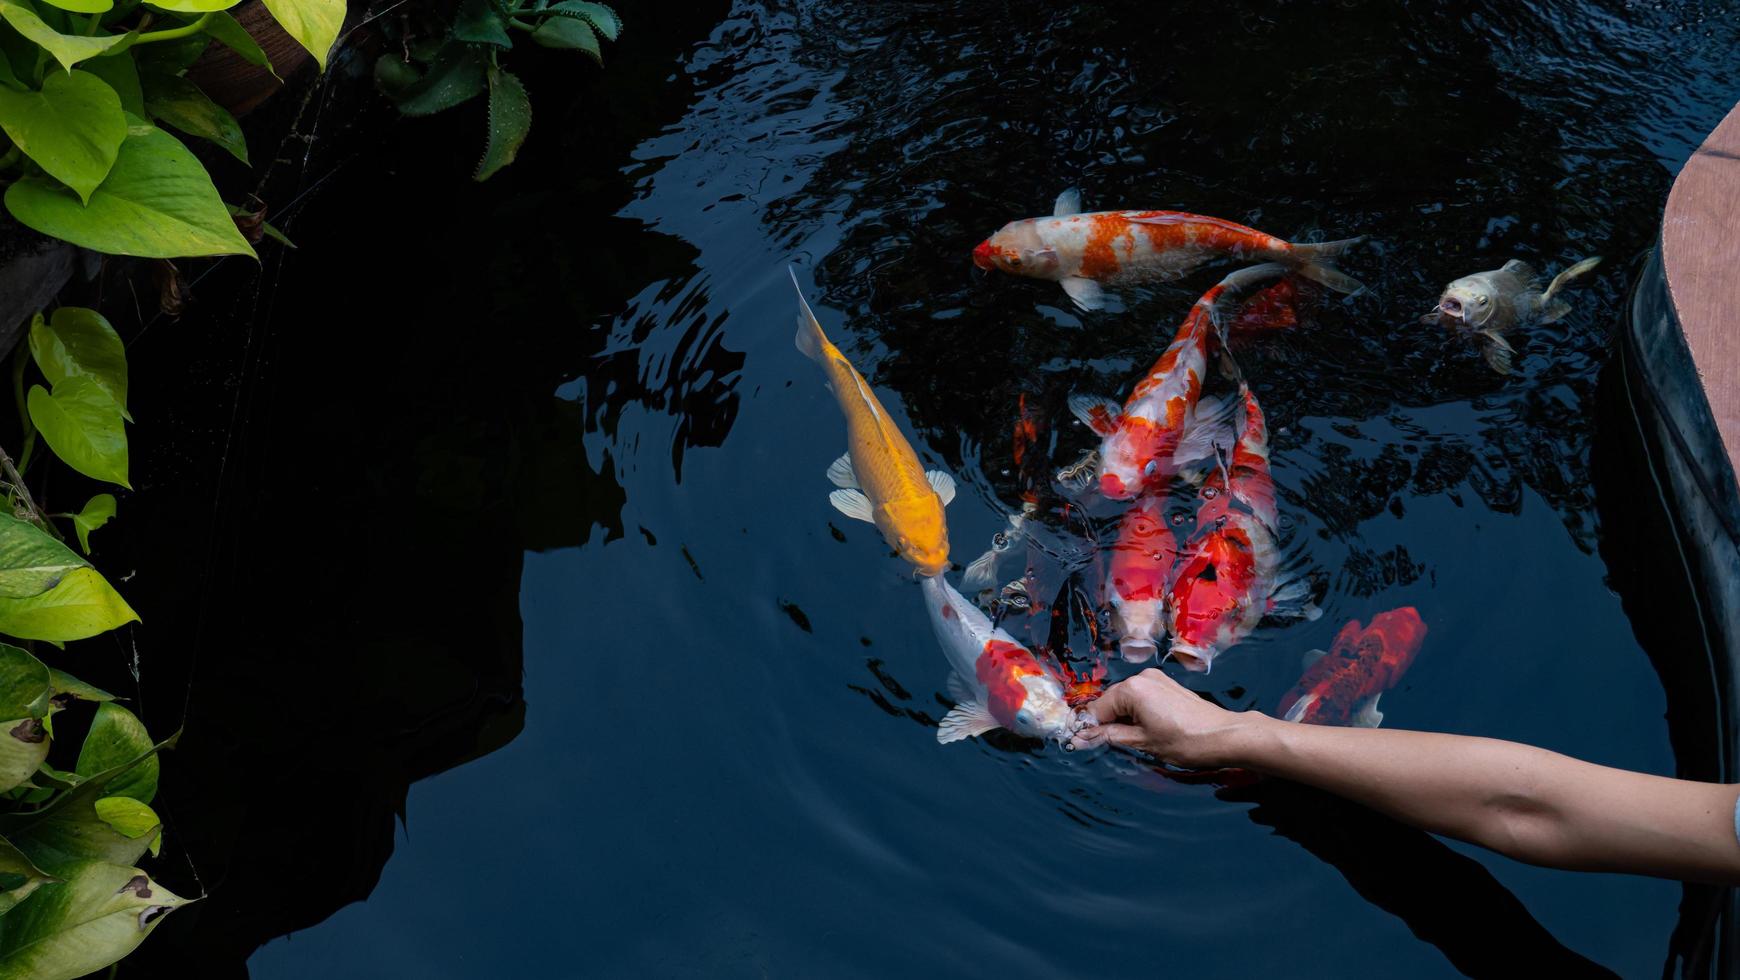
1085,293
960,690
1099,414
1369,716
1068,203
965,720
942,483
1293,599
853,504
841,474
1297,711
1210,428
1311,657
982,573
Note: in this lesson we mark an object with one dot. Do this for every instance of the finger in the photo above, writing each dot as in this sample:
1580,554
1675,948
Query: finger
1112,705
1123,736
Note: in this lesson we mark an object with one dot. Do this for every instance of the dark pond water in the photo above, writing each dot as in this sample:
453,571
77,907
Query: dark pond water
564,430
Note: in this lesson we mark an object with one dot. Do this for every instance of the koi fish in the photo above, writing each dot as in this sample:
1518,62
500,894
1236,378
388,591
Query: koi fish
997,682
1343,686
1229,577
1165,425
1492,303
879,477
1142,561
1084,252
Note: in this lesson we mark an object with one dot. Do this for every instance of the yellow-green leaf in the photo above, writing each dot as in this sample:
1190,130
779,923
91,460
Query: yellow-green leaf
31,562
158,203
174,100
98,510
82,605
82,424
117,736
98,914
73,128
68,49
313,23
78,343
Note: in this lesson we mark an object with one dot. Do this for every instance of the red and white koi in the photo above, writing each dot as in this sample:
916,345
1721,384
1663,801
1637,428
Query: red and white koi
1342,686
997,682
1165,424
1084,252
1229,577
1141,566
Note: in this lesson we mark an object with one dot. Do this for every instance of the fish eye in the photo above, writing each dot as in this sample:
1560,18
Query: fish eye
1150,467
1024,717
1015,261
1480,300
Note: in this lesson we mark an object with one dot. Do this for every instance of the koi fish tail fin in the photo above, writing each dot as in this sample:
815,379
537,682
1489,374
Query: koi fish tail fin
810,339
1554,309
1316,262
1569,274
1292,600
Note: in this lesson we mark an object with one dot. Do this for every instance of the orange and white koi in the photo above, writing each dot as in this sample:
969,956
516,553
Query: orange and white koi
1141,566
1229,576
997,682
879,477
1084,252
1342,686
1162,426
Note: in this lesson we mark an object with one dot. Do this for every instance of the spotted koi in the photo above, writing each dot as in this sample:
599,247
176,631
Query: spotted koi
1342,687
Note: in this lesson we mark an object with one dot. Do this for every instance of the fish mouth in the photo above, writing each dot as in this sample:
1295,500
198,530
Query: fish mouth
1137,649
1113,487
982,255
1195,659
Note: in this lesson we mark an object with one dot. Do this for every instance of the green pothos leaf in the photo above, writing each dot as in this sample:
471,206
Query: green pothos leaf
72,128
68,49
97,914
18,877
313,23
180,103
510,119
117,735
69,829
82,424
31,562
97,512
82,605
229,32
78,343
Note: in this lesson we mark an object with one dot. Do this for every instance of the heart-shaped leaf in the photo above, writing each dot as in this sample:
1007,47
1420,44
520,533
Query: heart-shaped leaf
73,128
78,343
96,915
68,49
116,737
83,6
157,203
67,684
98,510
31,562
178,102
82,424
82,605
313,23
194,6
510,119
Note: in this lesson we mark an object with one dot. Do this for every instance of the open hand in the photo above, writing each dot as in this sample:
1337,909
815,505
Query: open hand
1153,713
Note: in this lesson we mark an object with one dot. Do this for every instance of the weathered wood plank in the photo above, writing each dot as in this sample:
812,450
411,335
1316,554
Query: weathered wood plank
1700,244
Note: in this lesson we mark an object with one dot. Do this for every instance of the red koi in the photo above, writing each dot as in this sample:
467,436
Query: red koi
1343,686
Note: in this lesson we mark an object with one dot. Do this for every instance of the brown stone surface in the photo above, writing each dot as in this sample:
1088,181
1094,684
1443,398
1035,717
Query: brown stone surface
1700,245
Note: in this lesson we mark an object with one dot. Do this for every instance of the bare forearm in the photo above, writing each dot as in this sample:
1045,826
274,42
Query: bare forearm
1527,803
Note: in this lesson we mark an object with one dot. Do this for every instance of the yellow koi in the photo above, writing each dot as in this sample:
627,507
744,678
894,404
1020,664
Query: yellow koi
879,477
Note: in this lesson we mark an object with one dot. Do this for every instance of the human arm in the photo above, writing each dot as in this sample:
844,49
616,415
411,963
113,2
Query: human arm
1527,803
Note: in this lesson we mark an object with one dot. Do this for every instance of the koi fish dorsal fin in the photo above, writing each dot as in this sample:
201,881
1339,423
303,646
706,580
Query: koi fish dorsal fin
982,573
853,504
1097,413
942,483
965,720
1523,271
841,474
1068,203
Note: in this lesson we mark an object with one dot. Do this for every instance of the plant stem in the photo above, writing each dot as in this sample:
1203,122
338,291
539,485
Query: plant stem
173,33
522,25
90,26
33,512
